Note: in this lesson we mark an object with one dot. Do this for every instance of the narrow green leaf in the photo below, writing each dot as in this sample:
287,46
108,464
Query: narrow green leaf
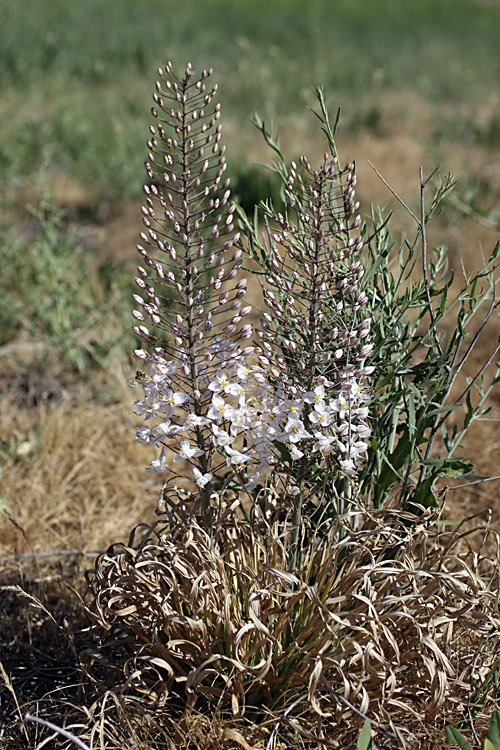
456,738
365,741
494,731
412,421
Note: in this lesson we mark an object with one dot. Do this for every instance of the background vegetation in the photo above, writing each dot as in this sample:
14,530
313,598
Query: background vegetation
417,84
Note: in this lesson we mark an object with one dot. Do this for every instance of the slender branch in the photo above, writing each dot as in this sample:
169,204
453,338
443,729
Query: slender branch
395,194
479,373
424,257
476,481
59,730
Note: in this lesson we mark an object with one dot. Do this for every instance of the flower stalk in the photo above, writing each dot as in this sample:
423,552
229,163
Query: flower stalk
288,412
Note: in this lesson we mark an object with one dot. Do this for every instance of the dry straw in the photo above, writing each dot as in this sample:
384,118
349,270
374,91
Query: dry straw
374,621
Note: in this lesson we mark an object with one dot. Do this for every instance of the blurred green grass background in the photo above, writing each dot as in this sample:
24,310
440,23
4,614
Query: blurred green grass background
415,81
76,78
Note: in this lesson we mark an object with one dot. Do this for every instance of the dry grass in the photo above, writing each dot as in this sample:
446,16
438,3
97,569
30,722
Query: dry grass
374,620
70,469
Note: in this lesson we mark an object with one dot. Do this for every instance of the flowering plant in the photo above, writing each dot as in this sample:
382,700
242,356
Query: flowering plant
289,411
274,586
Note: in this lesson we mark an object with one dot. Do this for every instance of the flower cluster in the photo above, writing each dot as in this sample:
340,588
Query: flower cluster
249,419
274,411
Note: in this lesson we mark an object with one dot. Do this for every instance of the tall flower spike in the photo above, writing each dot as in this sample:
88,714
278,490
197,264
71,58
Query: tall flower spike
313,337
188,224
189,303
315,328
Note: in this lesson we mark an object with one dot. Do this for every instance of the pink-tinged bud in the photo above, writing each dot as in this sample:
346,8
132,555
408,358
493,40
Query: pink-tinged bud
364,371
229,329
365,351
140,283
142,333
185,370
245,311
223,298
246,331
138,299
155,319
137,315
140,354
338,353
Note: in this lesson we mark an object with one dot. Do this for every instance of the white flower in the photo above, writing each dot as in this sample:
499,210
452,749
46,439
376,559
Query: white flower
219,409
340,405
237,389
325,443
295,431
293,408
168,429
235,457
147,408
222,438
348,466
314,397
201,479
219,383
143,434
361,429
321,415
295,452
193,420
174,399
158,464
186,452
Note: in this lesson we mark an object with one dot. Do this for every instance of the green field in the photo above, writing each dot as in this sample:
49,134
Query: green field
76,78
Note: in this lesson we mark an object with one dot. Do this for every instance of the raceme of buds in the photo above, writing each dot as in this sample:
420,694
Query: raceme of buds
312,277
188,271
